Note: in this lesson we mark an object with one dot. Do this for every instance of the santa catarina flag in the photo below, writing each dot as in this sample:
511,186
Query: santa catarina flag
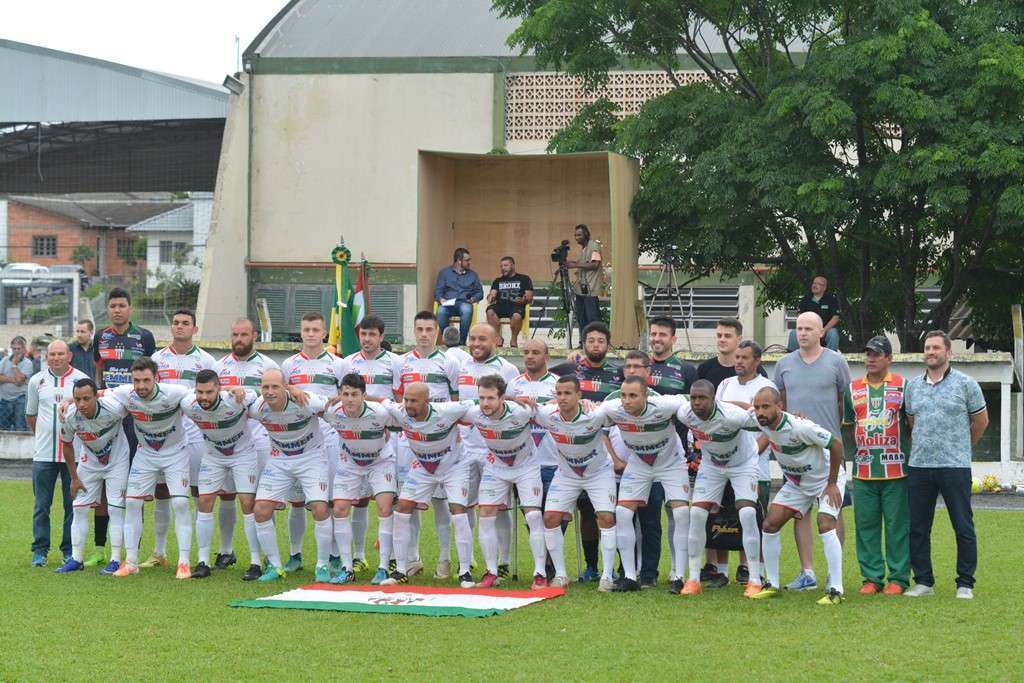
423,600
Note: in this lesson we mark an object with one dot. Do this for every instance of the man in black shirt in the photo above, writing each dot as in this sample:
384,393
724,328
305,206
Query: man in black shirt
728,334
81,349
826,305
597,378
508,298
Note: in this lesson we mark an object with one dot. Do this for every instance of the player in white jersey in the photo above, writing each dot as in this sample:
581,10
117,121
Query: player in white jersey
812,465
296,460
96,422
155,409
729,452
229,463
584,465
483,363
366,460
504,427
179,363
427,364
315,370
376,367
649,437
430,430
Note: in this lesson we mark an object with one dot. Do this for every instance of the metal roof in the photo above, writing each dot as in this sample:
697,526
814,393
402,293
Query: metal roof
175,220
108,210
40,84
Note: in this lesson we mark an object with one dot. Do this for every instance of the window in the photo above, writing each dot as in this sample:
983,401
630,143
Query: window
173,252
125,249
45,245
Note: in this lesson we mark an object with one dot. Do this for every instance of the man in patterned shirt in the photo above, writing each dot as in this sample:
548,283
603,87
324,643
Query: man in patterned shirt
873,405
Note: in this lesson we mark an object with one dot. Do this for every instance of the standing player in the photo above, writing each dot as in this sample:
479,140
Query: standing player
504,427
156,411
483,363
97,422
297,461
115,348
180,363
316,371
366,460
427,364
729,455
584,466
646,427
800,447
376,367
228,463
431,434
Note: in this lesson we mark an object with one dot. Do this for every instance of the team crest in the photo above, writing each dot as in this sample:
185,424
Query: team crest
184,482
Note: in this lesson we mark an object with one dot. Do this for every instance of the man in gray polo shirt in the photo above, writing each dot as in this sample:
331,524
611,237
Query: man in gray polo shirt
812,381
947,418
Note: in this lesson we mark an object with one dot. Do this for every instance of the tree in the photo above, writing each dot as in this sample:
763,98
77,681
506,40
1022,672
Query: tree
82,254
876,142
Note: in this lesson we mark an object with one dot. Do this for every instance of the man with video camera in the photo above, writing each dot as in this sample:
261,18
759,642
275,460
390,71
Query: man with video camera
589,277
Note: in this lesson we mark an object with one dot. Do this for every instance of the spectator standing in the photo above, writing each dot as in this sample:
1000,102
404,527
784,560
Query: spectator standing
812,381
589,282
81,348
947,418
826,305
15,371
46,390
457,289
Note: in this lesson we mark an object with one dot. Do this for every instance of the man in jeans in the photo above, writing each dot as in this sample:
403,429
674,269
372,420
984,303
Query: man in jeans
457,289
15,371
947,417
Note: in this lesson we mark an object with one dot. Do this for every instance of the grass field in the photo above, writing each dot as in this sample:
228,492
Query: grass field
85,626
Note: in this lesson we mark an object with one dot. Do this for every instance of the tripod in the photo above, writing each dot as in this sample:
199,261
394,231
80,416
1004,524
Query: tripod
561,276
672,287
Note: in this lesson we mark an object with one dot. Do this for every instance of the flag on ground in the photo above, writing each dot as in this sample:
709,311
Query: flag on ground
421,600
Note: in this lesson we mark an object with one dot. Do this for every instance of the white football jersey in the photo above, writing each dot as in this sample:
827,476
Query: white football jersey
724,437
801,449
182,368
542,390
469,373
294,430
437,371
102,433
244,372
434,440
158,419
224,426
363,437
320,375
507,436
651,435
377,372
579,441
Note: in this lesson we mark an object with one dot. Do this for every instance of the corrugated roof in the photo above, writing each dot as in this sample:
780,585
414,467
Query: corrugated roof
113,210
40,84
175,220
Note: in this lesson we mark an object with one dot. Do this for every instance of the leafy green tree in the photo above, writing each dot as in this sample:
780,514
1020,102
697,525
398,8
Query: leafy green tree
878,143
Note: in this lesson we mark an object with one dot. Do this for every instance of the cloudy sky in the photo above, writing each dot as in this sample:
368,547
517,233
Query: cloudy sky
194,38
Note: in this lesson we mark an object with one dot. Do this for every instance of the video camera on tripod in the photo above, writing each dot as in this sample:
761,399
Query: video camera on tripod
560,254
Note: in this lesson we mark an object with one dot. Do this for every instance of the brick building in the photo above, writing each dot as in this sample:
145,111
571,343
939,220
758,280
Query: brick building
46,229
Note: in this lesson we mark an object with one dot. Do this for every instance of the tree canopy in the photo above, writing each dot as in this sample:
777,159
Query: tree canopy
878,143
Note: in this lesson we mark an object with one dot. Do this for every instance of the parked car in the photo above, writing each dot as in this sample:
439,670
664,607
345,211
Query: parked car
83,279
19,275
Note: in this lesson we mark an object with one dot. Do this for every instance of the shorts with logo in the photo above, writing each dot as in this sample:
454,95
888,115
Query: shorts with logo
566,487
354,482
420,485
331,446
285,477
96,477
497,480
712,478
236,473
801,497
638,477
148,468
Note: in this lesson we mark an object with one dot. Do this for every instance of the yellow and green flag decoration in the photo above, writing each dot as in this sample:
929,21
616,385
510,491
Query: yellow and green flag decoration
351,304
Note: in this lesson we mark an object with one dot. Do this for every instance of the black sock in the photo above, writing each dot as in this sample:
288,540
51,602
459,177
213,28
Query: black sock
590,552
100,530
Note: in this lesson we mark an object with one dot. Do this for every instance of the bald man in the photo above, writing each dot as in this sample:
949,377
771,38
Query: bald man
297,466
45,391
825,304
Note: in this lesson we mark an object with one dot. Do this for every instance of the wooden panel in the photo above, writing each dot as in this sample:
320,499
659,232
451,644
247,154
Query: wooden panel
624,181
435,208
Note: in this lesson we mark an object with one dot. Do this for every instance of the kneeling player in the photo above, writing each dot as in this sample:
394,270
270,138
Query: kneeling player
366,460
510,462
729,455
810,475
104,463
228,463
584,465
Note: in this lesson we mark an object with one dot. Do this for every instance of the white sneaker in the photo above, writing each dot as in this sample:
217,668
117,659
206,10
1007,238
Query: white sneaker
559,582
415,567
443,569
919,590
965,593
606,584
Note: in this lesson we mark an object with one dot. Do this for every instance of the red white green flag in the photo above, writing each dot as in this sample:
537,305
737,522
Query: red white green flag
423,600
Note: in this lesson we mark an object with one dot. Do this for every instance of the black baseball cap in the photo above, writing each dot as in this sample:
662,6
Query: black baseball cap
879,344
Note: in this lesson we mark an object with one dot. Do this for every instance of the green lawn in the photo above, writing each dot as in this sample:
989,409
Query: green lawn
86,626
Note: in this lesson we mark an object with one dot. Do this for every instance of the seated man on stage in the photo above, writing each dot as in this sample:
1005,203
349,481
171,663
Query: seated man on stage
508,298
457,289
